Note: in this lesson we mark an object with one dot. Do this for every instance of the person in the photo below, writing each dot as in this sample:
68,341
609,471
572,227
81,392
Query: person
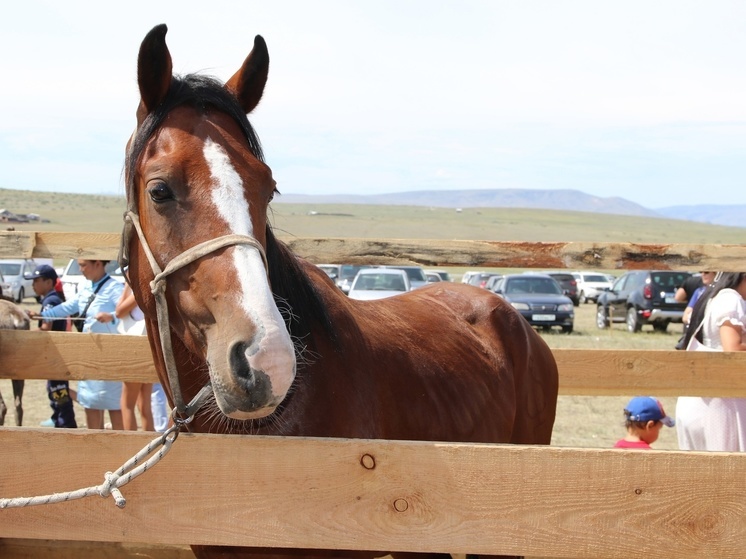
60,397
95,303
707,278
686,290
159,405
718,322
644,418
134,394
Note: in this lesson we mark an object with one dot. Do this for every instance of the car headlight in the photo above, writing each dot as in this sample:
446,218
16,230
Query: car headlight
564,307
520,306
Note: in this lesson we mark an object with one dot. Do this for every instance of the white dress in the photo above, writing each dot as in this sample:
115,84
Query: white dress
715,423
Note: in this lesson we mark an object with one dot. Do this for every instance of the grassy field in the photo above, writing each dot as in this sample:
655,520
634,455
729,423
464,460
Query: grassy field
581,421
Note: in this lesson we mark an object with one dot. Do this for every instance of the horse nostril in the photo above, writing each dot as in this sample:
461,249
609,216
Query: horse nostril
240,364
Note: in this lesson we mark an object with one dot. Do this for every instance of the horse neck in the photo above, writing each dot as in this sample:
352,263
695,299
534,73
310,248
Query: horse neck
303,303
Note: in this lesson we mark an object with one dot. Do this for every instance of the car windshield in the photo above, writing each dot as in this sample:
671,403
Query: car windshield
348,271
532,285
669,280
379,282
10,269
595,278
414,273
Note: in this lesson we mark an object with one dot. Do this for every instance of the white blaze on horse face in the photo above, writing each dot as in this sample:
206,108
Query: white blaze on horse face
271,349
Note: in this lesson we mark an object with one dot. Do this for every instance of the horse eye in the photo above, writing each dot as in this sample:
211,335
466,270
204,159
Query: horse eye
160,192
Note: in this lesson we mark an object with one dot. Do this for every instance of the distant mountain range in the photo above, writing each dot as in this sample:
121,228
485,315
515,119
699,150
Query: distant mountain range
567,200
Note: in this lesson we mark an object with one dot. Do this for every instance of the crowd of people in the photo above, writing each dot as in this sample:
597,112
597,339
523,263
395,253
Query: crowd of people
715,321
104,306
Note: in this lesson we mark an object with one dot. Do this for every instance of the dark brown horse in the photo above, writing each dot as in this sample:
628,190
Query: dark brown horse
12,317
285,351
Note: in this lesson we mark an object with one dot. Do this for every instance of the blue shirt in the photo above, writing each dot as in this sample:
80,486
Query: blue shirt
49,301
105,301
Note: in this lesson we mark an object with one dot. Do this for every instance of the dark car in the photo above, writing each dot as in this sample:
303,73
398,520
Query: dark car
416,275
642,297
568,283
539,299
480,279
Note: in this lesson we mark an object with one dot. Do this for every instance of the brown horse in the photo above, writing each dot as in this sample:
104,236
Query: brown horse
284,350
12,317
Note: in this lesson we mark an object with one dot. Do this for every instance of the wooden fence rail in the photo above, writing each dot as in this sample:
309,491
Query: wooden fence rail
427,252
385,495
593,372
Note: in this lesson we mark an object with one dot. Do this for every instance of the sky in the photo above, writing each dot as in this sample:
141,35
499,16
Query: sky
640,100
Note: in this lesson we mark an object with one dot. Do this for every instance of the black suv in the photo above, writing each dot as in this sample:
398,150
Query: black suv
642,297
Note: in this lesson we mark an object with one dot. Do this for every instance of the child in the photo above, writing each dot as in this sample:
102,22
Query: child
644,419
60,395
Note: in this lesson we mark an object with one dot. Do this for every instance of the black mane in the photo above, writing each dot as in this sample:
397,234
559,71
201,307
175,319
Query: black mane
295,295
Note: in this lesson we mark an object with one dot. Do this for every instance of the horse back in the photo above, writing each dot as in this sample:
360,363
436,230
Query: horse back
445,362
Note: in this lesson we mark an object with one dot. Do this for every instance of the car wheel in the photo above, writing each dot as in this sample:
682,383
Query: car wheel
660,326
582,299
633,323
602,318
21,295
567,329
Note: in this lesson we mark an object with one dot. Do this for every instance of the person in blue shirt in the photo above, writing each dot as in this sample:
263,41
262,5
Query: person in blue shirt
96,302
60,398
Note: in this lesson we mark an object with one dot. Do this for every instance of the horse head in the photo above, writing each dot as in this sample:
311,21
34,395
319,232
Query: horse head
198,192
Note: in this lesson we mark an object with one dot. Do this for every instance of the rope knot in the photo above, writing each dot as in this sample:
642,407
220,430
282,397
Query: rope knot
109,487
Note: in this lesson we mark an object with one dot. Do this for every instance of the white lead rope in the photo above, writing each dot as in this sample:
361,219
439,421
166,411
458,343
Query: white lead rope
112,480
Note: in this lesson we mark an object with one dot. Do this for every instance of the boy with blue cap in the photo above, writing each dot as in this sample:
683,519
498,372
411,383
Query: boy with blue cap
60,397
644,419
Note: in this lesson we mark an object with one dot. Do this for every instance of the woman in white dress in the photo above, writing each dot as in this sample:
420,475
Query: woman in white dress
716,423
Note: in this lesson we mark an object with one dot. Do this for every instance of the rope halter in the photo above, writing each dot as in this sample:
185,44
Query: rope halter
158,288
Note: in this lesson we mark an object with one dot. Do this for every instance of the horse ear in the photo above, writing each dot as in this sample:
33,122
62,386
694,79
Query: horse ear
153,71
248,83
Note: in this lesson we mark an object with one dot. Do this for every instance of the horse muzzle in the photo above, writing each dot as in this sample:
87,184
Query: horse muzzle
252,381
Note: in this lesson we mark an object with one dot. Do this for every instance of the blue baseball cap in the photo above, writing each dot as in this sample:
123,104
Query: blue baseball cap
45,271
645,408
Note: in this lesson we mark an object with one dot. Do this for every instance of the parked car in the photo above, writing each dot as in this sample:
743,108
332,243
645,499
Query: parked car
467,276
568,284
18,274
415,273
642,297
378,283
492,282
4,287
342,274
444,275
480,279
591,285
539,299
433,277
72,277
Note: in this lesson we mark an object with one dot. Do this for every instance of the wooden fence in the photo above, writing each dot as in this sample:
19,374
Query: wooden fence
390,495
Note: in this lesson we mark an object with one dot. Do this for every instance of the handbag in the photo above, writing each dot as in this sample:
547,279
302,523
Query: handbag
80,323
695,345
131,327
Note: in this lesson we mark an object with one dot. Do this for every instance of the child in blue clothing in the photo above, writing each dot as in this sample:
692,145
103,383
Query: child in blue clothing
60,397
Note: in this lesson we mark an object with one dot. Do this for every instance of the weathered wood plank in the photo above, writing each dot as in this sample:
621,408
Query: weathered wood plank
426,252
407,496
74,356
591,372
